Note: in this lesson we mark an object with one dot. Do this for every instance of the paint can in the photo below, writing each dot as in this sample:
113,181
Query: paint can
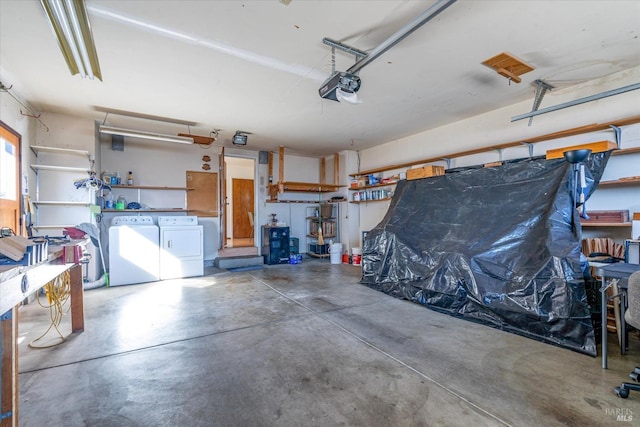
356,256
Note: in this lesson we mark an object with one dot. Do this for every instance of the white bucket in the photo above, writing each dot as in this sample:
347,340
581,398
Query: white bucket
336,253
356,256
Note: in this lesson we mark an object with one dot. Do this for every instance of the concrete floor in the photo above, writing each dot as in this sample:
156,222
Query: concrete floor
301,345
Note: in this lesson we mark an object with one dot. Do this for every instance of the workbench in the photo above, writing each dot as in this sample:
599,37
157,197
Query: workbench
16,284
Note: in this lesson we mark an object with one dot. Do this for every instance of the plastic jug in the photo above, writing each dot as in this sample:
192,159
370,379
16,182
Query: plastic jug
108,201
121,203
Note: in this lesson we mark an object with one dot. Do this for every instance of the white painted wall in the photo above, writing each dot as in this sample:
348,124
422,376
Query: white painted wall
62,131
165,164
296,169
349,212
72,133
25,126
495,128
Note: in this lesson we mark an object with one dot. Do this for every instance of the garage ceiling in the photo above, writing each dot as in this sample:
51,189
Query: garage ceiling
257,65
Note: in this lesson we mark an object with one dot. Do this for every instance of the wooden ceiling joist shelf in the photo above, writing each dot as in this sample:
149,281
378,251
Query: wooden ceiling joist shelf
594,127
307,187
301,187
308,202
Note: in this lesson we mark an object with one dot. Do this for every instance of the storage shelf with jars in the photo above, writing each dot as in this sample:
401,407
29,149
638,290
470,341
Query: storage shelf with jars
378,192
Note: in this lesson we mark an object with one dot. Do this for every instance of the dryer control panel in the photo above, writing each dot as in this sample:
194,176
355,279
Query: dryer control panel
165,221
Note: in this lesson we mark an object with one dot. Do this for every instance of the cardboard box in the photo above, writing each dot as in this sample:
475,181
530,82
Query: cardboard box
595,147
492,164
425,172
598,217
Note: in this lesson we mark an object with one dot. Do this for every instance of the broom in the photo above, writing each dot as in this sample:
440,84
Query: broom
320,238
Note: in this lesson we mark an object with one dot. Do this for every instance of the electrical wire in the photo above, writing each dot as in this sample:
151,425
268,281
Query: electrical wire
58,292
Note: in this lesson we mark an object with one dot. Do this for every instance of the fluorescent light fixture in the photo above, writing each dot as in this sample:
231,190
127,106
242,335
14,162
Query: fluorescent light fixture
145,135
70,24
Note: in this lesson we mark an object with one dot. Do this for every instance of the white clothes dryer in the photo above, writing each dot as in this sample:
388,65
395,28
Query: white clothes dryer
181,247
133,250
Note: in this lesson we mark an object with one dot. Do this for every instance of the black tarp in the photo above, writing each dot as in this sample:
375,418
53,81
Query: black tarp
498,245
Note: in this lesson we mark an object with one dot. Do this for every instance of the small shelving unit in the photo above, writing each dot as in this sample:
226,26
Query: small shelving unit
330,228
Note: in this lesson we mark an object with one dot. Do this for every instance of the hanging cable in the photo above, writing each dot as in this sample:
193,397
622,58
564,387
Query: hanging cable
58,292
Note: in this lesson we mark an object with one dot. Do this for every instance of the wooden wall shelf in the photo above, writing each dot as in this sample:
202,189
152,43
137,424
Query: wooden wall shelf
372,201
308,202
386,184
308,187
595,127
145,210
621,182
606,224
149,187
300,187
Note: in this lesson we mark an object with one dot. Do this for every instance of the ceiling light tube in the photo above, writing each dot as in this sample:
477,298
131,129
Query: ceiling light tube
145,135
79,37
70,25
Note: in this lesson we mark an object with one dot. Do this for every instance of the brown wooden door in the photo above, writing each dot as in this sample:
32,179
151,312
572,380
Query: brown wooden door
242,199
202,196
223,200
9,178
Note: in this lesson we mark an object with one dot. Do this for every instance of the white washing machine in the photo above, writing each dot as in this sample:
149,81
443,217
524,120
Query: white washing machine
133,250
181,247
